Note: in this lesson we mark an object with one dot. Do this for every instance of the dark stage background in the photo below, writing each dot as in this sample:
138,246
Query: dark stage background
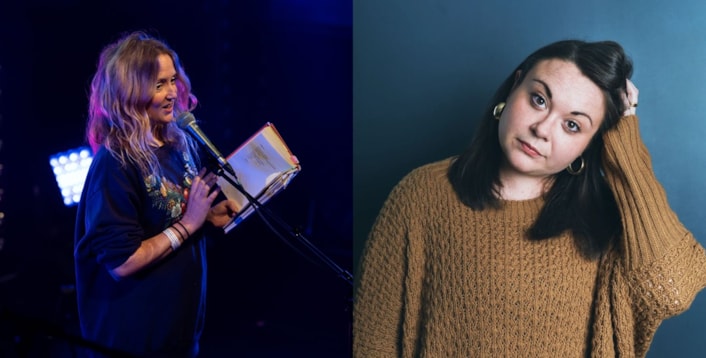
287,62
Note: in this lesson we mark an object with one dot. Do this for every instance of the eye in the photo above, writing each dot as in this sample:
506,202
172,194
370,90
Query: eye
538,100
572,126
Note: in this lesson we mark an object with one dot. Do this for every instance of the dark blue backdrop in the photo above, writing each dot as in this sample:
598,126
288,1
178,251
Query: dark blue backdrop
287,62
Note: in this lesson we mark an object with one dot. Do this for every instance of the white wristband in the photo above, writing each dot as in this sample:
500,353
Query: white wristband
172,238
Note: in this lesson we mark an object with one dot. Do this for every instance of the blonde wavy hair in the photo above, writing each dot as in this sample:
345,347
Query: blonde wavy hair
121,91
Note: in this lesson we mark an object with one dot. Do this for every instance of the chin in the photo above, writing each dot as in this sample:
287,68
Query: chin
529,170
166,118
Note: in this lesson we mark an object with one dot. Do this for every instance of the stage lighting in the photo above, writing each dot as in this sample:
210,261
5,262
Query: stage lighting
70,169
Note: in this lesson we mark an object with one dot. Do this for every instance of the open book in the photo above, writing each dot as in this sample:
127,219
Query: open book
264,166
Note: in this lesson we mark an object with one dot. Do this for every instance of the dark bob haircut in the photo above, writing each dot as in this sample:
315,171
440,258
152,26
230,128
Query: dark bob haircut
582,204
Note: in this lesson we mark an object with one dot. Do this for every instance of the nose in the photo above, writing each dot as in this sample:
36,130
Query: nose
542,127
172,91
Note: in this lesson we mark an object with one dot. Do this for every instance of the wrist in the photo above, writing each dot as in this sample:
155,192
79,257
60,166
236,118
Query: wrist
174,241
183,229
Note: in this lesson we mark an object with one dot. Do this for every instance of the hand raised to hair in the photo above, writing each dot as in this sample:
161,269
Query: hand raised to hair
630,98
200,200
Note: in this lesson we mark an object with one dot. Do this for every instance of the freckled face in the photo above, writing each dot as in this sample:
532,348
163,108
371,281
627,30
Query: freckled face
161,108
549,119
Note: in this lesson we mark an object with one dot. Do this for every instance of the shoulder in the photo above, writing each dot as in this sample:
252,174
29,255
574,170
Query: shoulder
107,170
103,164
420,192
428,180
430,174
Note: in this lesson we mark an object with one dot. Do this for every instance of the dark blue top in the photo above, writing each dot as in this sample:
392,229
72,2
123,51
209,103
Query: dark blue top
158,311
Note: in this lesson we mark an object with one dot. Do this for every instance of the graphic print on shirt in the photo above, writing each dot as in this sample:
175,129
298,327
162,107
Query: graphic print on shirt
168,196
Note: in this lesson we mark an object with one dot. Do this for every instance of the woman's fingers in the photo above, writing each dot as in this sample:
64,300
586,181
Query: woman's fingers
205,181
630,98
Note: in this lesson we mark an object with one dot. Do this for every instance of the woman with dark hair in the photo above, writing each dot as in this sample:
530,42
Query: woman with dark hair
549,236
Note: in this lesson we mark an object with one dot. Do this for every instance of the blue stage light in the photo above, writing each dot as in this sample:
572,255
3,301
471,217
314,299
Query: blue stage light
70,169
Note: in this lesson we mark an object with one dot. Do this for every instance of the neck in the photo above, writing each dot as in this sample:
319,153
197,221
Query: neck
522,187
156,141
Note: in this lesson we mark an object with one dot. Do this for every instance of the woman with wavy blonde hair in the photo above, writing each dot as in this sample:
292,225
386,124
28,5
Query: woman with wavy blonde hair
140,253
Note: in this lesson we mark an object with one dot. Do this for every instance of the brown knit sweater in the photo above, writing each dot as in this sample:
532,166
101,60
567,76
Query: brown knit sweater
438,279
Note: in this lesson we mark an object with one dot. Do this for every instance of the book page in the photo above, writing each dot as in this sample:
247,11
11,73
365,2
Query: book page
272,136
264,166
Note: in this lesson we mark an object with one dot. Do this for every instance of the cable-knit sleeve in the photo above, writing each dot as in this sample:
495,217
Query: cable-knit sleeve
388,267
658,267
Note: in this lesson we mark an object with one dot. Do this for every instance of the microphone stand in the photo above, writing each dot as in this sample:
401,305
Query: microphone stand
342,273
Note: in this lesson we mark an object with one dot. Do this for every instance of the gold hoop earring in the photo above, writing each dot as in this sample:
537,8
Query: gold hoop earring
578,171
498,110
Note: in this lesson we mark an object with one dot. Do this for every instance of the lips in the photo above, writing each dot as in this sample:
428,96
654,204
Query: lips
529,150
168,109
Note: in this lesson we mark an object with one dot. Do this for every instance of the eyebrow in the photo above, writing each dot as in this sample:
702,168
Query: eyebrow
549,94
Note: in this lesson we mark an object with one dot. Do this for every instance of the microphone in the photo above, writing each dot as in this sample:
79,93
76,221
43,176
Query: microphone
187,122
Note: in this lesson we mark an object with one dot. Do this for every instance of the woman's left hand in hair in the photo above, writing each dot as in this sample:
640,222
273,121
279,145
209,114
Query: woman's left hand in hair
630,98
